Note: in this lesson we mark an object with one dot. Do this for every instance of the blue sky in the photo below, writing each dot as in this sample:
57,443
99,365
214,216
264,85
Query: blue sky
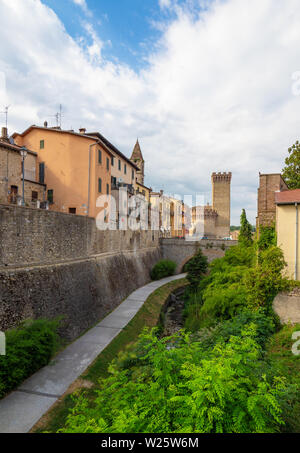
206,85
127,27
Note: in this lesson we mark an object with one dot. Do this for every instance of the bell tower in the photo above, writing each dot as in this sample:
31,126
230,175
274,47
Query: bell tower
138,160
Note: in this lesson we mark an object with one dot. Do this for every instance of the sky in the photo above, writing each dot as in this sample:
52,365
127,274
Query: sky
206,85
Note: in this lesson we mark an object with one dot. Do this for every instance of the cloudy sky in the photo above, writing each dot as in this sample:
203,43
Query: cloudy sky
206,85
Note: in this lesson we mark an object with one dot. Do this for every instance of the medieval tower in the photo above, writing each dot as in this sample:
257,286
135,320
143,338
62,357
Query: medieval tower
221,185
138,160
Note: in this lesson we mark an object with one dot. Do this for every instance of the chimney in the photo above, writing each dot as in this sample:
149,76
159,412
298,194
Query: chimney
4,135
45,124
82,130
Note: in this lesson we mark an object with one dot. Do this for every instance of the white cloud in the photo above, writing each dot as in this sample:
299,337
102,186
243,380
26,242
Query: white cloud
216,95
83,5
164,3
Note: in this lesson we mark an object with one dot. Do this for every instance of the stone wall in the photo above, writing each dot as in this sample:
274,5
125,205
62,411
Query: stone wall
181,251
287,307
55,264
30,236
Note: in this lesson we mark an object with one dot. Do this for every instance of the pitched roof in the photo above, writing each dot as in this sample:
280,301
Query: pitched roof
111,147
137,153
287,197
17,148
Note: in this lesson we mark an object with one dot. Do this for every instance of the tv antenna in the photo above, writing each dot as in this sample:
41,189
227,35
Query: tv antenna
58,116
6,114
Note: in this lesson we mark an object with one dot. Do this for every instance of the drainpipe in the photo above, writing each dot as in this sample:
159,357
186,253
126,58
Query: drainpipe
296,254
89,176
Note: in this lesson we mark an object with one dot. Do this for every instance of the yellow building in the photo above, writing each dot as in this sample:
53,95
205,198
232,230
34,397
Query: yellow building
76,167
288,229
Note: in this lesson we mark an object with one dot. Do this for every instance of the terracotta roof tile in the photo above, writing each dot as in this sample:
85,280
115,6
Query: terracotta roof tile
287,197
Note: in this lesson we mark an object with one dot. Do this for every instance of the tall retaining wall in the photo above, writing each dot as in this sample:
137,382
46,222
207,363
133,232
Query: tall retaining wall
55,264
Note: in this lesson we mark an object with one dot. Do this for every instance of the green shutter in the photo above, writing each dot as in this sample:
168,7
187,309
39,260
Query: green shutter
99,185
99,156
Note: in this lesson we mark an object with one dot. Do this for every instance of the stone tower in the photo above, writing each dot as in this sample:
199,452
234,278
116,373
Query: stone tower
138,160
221,184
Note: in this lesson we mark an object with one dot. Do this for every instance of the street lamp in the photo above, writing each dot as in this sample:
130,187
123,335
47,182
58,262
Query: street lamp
23,152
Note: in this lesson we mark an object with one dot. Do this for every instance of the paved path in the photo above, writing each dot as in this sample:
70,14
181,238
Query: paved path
21,409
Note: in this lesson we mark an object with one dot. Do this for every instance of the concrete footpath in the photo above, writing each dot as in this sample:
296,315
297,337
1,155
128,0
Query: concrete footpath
22,409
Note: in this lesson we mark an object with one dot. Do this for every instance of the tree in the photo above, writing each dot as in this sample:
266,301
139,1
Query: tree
245,237
196,269
291,171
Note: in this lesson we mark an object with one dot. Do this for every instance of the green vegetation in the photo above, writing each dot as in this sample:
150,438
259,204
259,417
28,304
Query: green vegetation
291,171
267,237
230,371
163,268
28,348
148,315
196,268
245,236
175,385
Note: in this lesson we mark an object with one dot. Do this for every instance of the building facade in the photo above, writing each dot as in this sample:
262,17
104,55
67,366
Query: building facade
288,229
213,221
269,184
11,176
76,167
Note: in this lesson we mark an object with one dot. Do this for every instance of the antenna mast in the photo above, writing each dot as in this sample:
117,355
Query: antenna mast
6,115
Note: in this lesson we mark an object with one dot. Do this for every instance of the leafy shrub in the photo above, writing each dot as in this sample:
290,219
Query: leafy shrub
163,268
196,269
267,237
28,348
265,281
171,386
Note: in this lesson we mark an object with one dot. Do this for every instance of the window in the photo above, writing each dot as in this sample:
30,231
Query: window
119,165
107,163
72,210
132,175
99,156
42,173
125,169
112,160
42,144
113,181
34,196
107,189
50,196
99,185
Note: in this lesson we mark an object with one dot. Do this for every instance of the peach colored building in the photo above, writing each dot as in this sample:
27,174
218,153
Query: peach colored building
75,166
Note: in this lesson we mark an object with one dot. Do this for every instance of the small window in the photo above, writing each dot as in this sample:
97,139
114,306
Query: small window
125,169
99,185
99,156
132,175
42,173
42,144
107,163
112,160
50,196
119,165
107,189
72,210
34,195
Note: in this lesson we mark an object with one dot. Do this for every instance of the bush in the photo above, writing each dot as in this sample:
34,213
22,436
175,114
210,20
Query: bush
196,269
171,386
163,268
28,348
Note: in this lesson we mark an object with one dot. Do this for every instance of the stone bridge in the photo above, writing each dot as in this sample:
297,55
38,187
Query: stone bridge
181,250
